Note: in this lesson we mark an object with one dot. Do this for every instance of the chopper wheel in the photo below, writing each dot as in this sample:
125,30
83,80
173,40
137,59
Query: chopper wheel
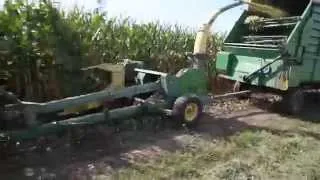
293,101
187,110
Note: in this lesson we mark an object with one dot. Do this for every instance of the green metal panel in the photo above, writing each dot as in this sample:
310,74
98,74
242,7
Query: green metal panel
187,81
247,56
270,77
222,62
259,52
295,36
315,42
308,51
225,62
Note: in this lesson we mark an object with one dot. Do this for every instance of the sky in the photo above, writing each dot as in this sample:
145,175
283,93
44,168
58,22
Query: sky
191,13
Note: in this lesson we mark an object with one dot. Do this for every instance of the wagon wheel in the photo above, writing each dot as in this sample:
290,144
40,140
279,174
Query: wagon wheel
293,101
187,110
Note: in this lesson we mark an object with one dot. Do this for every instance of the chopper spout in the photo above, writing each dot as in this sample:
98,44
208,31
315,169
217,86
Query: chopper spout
200,46
223,9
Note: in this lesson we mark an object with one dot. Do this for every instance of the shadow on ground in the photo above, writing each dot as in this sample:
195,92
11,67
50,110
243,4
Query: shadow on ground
99,153
310,112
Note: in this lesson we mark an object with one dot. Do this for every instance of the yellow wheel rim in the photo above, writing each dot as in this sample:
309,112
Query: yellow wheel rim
191,112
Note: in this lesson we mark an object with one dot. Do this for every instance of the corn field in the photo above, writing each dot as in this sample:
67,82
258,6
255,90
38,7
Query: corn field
42,48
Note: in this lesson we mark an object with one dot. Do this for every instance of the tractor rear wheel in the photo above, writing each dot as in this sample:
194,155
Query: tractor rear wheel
293,101
187,110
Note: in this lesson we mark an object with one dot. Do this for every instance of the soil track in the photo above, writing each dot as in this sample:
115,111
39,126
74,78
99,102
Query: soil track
101,153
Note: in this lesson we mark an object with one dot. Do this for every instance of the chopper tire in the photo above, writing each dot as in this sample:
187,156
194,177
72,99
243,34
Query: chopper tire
187,110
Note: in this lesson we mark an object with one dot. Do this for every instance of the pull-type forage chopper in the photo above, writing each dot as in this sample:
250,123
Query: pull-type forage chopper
281,54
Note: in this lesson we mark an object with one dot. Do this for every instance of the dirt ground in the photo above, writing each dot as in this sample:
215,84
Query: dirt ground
102,153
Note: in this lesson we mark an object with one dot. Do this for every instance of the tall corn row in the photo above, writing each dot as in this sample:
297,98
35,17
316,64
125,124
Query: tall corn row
43,45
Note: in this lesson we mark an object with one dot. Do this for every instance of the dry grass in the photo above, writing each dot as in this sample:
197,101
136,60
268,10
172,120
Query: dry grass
292,153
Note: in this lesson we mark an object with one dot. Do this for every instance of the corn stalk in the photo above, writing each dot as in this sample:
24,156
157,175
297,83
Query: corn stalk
42,41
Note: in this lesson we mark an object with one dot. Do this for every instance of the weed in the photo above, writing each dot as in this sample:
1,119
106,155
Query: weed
248,139
237,170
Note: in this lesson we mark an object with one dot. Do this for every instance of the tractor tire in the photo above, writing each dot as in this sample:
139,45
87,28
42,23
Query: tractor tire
187,110
293,102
